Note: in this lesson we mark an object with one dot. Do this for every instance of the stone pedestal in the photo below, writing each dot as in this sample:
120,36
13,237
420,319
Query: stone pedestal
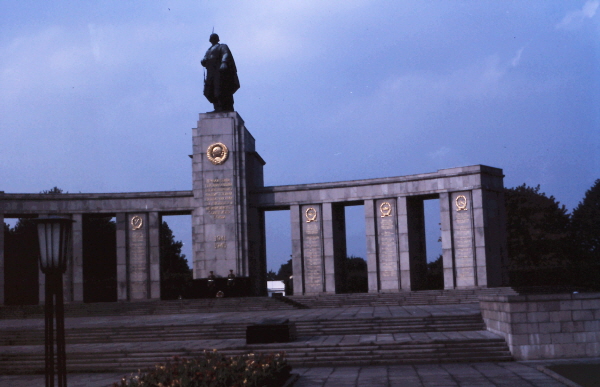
225,168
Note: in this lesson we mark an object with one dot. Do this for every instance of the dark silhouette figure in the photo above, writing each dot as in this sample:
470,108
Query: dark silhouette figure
221,80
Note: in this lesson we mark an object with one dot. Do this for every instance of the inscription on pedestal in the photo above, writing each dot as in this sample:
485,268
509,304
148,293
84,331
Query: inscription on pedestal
218,197
138,257
462,238
312,247
387,240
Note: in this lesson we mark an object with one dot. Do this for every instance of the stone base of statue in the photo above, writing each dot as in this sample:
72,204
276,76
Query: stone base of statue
225,228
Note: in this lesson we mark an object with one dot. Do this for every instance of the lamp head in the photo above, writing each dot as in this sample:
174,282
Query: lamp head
54,234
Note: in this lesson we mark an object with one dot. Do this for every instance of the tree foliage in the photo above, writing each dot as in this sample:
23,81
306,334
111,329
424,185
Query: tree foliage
355,270
99,242
176,275
434,277
537,229
586,227
21,251
285,271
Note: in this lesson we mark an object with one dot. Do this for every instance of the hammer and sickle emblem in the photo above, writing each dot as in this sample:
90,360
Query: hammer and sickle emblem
136,222
386,209
461,203
311,215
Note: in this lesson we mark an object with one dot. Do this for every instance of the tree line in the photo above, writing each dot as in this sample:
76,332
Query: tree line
546,244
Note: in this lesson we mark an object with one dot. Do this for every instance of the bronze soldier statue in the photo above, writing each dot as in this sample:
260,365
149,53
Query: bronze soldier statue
221,76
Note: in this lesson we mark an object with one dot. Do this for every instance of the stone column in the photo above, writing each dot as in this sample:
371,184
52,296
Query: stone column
490,237
137,252
122,262
312,248
447,256
154,254
297,266
77,260
463,239
403,245
387,244
479,238
371,237
2,300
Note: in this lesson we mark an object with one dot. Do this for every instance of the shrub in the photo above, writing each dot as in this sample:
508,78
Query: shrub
214,369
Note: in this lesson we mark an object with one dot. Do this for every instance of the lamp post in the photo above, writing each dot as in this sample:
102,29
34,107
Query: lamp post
54,235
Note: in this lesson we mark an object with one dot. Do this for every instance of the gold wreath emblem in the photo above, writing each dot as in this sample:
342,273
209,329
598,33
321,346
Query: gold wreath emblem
461,203
311,215
217,153
136,222
386,209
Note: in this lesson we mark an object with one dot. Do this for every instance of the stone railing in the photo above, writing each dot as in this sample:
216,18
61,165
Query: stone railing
549,326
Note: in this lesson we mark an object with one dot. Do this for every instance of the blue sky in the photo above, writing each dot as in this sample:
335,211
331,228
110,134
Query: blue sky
100,96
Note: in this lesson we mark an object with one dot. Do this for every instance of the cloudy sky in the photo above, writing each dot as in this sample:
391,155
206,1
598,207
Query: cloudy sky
100,96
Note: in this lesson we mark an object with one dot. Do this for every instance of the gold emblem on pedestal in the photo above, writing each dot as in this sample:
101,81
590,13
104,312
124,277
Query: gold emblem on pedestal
217,153
461,203
386,209
311,215
136,222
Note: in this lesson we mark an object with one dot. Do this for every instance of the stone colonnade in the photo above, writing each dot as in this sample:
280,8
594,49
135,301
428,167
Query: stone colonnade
137,236
472,228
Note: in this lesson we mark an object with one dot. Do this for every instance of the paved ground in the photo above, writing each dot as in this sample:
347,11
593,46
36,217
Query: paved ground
513,374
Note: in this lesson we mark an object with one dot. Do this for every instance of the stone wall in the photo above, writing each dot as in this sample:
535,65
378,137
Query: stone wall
550,326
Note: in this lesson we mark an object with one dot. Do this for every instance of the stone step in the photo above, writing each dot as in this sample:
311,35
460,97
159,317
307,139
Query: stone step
426,297
298,353
238,330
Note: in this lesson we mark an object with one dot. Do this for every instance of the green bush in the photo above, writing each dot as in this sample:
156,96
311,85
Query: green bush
214,369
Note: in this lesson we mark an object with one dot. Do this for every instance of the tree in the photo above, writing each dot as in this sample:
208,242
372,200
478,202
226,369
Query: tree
53,191
271,276
99,264
285,271
21,251
434,278
537,229
175,274
586,227
355,269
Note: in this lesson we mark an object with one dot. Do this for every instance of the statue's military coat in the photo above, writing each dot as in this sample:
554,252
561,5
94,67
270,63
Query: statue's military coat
219,83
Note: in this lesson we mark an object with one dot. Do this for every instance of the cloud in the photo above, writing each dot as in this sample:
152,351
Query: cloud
443,151
517,58
574,19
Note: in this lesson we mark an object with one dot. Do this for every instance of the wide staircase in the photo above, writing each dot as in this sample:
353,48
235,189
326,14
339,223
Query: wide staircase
348,335
425,297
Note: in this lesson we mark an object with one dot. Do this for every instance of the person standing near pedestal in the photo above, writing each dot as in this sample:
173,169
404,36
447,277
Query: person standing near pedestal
221,80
